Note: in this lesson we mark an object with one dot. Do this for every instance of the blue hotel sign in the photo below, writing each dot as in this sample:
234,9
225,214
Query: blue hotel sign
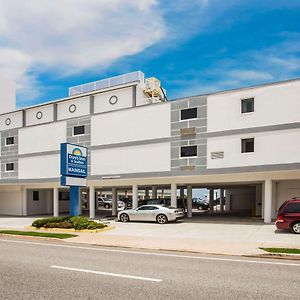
73,161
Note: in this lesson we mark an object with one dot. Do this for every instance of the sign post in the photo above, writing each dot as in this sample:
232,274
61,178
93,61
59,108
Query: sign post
73,171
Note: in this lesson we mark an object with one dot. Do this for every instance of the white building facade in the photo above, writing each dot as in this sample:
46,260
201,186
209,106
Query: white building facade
245,142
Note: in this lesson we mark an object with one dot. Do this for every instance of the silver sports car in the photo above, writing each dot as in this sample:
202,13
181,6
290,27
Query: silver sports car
157,213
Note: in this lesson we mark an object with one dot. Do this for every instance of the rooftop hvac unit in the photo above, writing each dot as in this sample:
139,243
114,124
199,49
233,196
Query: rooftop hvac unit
152,87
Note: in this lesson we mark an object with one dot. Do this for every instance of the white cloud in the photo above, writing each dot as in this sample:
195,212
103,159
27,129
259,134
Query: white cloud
250,75
71,36
275,63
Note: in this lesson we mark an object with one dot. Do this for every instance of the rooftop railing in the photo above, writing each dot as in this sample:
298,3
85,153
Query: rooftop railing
107,83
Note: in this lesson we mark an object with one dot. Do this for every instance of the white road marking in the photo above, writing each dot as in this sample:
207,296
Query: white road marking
108,274
157,254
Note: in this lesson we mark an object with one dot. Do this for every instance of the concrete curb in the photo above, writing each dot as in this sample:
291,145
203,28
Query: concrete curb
63,230
289,256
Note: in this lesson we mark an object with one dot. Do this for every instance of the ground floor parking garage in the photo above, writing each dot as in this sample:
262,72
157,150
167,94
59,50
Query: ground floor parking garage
249,195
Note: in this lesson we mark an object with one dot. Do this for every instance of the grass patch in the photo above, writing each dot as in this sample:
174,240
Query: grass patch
42,234
282,250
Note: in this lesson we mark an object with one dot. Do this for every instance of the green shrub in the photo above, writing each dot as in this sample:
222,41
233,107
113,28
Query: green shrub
66,225
41,222
78,219
93,225
78,223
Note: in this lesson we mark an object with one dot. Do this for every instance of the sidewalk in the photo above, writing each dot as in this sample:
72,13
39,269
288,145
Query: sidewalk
235,239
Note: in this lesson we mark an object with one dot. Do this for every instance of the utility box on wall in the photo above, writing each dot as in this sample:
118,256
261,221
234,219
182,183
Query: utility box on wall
7,95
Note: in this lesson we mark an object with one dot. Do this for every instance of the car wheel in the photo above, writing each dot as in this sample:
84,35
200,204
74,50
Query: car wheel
199,207
296,228
124,218
161,219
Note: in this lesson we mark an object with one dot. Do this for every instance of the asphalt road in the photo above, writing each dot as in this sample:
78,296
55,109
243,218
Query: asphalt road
38,269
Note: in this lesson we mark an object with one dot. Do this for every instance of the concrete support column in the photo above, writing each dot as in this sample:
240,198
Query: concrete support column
55,202
189,201
154,192
92,202
227,200
80,202
258,200
222,200
24,202
147,194
174,194
211,199
268,201
135,199
114,198
181,193
49,202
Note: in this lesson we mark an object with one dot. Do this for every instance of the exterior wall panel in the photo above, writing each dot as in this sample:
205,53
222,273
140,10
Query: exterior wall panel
11,201
42,138
124,100
44,166
274,147
197,127
11,121
134,159
273,104
39,115
73,108
148,122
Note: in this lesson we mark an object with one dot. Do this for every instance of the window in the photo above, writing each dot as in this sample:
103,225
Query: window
188,151
7,121
148,208
247,145
78,130
72,108
35,195
9,167
190,113
113,100
292,208
64,196
39,115
9,141
247,105
153,208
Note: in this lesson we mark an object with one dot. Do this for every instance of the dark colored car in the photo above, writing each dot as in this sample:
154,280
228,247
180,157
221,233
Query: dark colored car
127,201
200,205
288,216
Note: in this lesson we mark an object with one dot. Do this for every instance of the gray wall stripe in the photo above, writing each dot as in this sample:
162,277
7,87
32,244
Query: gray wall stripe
134,96
55,112
254,129
133,143
92,104
23,118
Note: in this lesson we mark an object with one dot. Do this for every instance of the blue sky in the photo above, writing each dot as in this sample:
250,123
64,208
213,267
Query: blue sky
193,46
